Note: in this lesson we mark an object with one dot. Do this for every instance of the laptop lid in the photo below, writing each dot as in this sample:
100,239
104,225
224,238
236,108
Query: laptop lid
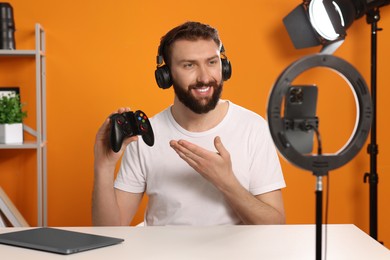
57,240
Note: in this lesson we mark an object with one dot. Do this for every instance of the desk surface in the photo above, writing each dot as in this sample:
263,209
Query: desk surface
219,242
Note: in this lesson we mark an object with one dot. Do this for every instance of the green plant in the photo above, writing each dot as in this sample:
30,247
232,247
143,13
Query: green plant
11,109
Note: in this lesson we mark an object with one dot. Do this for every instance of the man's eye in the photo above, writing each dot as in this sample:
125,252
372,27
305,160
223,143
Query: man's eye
188,65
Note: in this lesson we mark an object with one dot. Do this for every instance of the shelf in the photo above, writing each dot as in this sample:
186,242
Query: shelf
13,53
39,144
25,145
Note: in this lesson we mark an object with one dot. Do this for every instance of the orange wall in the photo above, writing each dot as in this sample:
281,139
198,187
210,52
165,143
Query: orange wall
101,55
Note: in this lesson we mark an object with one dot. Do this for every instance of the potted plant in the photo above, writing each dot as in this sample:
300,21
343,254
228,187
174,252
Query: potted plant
11,117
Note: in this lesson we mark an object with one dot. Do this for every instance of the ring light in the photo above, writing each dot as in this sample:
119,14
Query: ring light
320,164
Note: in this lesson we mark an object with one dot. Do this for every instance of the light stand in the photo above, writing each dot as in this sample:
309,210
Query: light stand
319,164
372,18
303,123
318,22
319,207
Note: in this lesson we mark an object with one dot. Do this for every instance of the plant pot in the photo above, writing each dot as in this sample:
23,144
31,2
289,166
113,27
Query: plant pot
11,133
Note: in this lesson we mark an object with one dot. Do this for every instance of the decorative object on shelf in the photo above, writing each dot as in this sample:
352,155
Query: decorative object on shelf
7,27
11,116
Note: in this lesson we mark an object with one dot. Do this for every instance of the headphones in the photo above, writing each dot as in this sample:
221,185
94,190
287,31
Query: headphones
163,75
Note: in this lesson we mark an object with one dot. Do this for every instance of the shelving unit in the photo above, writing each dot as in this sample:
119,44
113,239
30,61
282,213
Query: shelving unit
40,144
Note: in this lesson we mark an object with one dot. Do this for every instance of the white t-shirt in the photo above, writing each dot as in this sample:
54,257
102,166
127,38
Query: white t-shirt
178,195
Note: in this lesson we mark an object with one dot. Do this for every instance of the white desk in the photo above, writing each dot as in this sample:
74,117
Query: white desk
218,242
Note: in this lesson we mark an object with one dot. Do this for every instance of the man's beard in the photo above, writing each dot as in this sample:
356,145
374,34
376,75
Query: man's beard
197,105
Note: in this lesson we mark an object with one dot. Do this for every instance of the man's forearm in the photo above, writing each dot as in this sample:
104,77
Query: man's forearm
251,209
105,210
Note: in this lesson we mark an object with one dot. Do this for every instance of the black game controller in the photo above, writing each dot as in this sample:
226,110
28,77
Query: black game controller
130,124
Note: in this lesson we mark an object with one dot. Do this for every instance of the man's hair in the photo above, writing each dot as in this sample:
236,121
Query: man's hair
191,31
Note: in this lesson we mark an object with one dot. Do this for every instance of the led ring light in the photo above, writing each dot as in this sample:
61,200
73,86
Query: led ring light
320,164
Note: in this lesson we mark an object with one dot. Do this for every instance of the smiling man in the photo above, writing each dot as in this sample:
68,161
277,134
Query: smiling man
213,162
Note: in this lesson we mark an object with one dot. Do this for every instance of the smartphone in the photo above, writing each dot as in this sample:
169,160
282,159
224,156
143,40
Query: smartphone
300,111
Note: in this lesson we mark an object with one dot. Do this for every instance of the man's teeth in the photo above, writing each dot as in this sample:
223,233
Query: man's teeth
204,89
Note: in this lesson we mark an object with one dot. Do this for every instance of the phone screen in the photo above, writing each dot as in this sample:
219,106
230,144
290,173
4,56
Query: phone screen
300,107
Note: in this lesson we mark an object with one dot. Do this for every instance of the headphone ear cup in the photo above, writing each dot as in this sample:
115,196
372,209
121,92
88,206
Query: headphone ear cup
226,69
163,77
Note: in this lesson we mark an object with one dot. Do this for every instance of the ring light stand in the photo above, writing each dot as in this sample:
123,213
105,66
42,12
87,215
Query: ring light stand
320,164
373,17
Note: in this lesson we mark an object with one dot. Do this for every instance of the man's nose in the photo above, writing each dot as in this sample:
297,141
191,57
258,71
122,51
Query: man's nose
204,74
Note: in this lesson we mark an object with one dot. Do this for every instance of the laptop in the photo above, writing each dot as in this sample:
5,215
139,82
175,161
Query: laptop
57,240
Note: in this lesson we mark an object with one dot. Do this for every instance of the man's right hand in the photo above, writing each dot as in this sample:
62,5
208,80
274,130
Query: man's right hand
104,156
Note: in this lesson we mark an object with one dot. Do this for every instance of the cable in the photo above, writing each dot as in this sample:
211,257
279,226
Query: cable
319,151
319,142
